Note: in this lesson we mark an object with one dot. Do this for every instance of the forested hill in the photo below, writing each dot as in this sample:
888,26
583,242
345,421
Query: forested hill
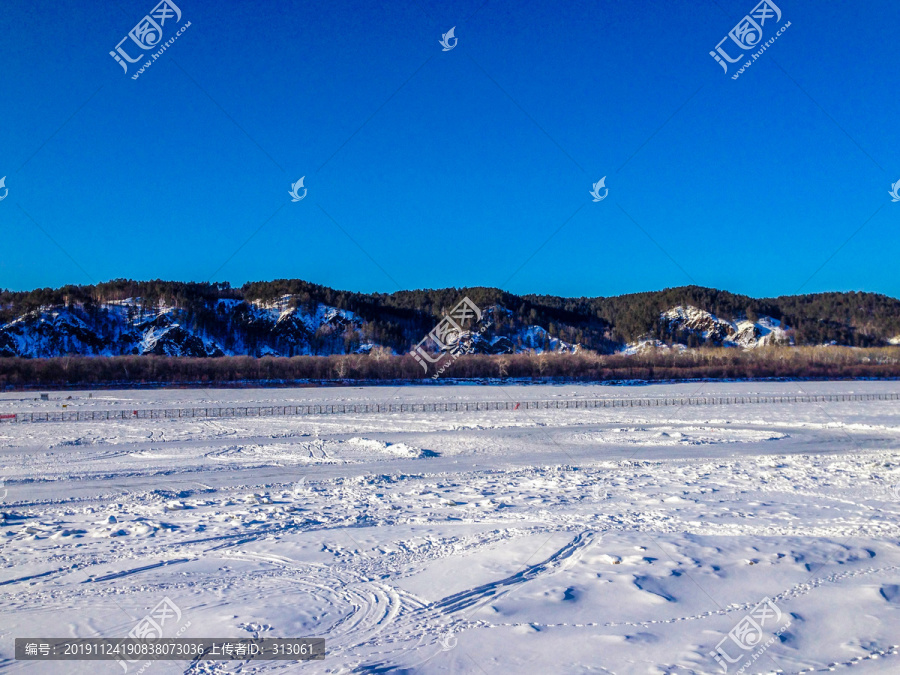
289,317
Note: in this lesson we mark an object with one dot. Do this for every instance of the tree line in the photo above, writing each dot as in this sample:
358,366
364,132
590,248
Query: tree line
378,366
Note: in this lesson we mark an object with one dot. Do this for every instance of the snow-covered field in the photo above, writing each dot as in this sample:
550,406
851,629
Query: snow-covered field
617,540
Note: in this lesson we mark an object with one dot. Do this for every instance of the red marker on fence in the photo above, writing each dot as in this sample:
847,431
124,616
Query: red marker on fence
517,406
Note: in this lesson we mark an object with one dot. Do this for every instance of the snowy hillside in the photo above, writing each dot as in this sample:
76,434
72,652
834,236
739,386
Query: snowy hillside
130,327
230,327
119,328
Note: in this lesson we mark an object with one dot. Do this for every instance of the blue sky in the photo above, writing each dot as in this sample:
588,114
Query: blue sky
428,168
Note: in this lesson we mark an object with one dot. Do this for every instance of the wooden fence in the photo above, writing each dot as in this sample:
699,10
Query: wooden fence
456,406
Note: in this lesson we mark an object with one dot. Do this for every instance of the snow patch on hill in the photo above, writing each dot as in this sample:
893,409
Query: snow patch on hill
538,339
648,345
714,330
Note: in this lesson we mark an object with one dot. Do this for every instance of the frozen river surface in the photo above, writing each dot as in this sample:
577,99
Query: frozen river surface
609,540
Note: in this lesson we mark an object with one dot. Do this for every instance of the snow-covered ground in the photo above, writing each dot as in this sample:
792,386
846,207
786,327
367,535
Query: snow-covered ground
616,540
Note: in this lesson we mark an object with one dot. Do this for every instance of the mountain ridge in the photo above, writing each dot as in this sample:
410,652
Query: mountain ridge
288,317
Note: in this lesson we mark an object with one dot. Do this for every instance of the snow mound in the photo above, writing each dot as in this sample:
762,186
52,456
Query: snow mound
380,447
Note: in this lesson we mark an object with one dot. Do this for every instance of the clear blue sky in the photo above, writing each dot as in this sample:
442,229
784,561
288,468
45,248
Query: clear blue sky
430,168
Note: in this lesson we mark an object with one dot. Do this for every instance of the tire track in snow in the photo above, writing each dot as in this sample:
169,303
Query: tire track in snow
432,623
481,594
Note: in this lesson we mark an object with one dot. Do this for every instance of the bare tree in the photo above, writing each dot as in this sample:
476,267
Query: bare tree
542,363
